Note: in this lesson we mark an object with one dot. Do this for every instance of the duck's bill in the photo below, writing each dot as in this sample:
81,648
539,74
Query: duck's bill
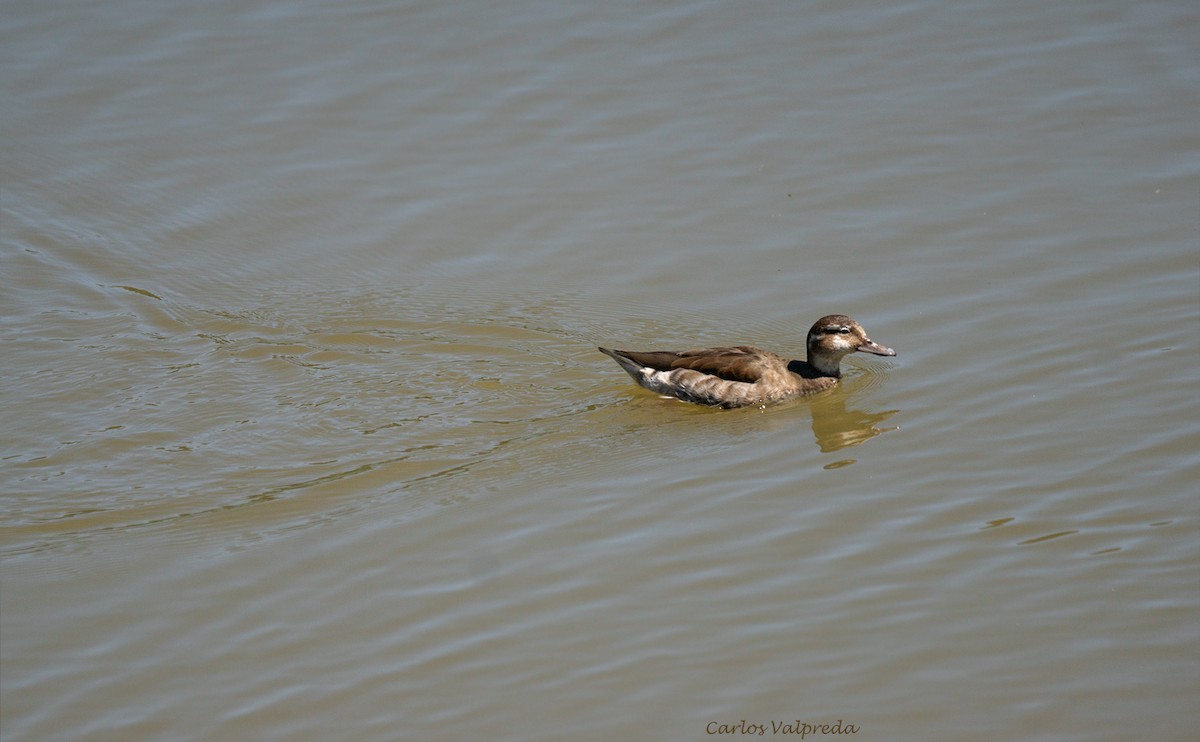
872,347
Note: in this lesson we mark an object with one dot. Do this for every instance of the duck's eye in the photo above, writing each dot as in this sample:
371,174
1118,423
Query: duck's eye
843,330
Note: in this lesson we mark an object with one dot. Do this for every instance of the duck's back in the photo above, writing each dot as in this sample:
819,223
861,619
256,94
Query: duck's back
735,376
741,363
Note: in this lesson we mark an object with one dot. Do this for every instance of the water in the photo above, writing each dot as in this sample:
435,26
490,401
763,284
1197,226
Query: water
306,436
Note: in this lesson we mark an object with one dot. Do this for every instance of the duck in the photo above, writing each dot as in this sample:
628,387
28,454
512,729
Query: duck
742,375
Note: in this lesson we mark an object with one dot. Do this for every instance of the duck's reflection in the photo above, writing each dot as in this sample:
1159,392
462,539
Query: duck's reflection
837,426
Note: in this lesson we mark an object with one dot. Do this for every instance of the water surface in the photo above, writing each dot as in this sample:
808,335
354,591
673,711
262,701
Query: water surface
306,435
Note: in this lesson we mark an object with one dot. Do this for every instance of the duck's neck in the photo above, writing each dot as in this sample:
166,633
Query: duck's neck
828,365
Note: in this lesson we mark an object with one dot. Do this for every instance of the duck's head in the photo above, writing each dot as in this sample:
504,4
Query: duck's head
836,336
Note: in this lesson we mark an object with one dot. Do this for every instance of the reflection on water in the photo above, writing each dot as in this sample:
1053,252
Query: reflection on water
836,427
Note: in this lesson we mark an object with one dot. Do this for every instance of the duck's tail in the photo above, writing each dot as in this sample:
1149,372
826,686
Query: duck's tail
633,368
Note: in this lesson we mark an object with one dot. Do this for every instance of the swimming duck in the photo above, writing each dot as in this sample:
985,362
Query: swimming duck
743,375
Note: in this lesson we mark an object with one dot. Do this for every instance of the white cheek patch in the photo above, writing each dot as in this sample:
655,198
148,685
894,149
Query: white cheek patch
832,341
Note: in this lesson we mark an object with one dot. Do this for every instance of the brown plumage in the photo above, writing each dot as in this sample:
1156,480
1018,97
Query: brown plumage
744,375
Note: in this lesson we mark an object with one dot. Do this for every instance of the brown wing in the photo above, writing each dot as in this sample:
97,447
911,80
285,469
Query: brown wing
740,363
